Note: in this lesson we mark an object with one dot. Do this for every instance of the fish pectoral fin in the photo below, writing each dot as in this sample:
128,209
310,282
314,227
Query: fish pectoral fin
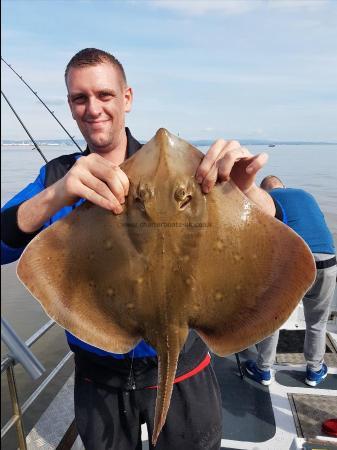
250,298
67,268
248,321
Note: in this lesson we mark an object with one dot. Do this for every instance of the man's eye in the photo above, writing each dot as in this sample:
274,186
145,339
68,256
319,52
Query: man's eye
78,100
105,95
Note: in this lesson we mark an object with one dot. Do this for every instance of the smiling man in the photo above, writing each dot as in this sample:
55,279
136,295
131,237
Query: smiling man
99,97
112,398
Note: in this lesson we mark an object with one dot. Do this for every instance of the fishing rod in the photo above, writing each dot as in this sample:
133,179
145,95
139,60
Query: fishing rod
23,125
43,103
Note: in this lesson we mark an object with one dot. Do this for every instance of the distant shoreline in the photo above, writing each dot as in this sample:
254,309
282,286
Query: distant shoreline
202,143
11,144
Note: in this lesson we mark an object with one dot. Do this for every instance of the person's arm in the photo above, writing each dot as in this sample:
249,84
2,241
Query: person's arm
92,178
261,198
227,160
13,240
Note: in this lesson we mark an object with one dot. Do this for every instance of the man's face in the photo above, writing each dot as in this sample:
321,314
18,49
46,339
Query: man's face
99,99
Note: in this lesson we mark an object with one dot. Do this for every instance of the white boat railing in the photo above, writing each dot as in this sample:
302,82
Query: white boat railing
7,365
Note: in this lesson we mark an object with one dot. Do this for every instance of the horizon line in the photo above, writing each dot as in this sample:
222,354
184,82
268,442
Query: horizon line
195,141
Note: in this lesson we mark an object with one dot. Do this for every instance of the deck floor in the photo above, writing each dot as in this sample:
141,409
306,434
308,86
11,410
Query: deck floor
246,407
310,411
254,416
290,349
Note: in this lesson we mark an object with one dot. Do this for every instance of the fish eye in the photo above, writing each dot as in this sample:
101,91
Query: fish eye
144,192
182,196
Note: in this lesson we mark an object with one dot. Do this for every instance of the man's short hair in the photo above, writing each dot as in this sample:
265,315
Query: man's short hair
264,182
93,57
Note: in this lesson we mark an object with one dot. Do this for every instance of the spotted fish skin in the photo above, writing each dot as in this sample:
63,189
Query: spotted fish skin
175,259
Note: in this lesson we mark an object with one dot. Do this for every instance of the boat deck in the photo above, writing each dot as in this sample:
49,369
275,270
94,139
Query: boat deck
288,414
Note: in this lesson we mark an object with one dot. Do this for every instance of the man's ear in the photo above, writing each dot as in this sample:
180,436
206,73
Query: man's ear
128,97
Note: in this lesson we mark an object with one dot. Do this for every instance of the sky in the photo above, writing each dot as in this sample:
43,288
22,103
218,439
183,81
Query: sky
257,69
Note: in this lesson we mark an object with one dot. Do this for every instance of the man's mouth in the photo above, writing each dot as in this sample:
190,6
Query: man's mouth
94,122
96,125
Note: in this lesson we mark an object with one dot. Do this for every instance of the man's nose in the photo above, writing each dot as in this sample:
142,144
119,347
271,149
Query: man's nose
94,107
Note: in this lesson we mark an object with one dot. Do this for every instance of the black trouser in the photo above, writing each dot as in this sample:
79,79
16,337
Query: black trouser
110,419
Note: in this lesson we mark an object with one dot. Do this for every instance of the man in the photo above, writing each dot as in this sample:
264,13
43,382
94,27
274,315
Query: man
111,395
304,216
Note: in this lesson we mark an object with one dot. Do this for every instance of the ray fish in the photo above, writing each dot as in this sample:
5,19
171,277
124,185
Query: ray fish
175,259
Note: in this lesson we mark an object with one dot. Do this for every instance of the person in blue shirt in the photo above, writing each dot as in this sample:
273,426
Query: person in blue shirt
114,393
302,213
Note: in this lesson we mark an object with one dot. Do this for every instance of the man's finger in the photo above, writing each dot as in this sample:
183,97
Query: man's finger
210,180
116,187
225,165
99,200
257,163
209,159
114,178
124,180
97,186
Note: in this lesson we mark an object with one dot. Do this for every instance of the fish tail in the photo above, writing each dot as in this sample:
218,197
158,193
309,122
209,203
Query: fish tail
167,366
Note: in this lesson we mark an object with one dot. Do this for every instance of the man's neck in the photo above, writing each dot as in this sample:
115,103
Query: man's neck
116,153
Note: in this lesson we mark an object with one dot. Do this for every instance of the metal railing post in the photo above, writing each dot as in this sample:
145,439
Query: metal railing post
20,351
7,365
16,407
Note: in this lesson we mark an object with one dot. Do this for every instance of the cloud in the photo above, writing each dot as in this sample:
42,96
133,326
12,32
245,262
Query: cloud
308,5
235,7
200,7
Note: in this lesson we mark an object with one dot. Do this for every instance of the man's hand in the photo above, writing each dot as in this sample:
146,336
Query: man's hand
91,177
228,160
97,180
